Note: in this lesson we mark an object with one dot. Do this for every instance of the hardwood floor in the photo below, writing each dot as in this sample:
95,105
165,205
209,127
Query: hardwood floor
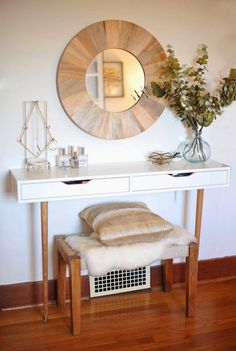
142,321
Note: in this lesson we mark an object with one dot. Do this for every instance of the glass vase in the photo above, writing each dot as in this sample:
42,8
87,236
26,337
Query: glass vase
196,149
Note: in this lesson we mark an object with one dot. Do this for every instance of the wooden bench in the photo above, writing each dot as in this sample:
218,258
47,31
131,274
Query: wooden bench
67,256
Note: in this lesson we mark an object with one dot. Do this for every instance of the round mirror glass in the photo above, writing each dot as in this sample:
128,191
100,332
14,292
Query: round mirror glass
115,80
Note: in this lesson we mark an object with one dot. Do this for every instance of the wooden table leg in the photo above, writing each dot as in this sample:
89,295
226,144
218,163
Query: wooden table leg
198,221
192,260
44,233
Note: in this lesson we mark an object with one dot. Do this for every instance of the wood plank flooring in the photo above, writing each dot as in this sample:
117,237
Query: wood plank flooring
141,321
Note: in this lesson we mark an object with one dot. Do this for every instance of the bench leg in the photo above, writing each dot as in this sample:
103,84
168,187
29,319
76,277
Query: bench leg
191,279
61,280
167,274
75,295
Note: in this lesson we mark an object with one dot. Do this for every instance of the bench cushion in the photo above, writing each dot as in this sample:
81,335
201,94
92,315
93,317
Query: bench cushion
100,259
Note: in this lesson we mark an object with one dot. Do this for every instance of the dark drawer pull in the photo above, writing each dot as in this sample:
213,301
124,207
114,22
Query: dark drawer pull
181,174
73,182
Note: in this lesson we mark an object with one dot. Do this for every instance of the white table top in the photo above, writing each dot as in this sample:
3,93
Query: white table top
102,170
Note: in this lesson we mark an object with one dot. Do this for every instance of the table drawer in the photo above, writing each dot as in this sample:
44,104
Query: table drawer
189,180
70,189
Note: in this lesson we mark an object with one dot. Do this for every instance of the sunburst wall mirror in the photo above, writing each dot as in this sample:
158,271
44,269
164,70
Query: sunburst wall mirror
101,76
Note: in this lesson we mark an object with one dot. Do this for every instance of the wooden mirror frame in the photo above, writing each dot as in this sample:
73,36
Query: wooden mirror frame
71,74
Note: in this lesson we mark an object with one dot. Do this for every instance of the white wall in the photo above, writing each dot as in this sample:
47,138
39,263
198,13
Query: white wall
32,37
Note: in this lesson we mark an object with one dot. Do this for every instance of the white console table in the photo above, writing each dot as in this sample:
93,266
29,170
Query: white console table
112,179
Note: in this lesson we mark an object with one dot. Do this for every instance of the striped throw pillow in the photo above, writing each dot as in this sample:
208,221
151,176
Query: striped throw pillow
125,223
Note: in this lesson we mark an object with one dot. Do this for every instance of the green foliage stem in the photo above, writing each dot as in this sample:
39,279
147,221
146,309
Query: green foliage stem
185,89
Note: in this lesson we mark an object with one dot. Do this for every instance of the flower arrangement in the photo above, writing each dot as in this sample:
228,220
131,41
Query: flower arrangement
185,90
184,87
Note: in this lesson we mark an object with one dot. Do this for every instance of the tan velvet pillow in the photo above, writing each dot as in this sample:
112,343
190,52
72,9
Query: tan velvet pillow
125,223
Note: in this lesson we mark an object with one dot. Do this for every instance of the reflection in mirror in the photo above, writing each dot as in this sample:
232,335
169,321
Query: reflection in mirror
115,80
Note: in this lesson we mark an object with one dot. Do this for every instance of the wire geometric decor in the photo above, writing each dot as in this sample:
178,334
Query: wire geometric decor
35,135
